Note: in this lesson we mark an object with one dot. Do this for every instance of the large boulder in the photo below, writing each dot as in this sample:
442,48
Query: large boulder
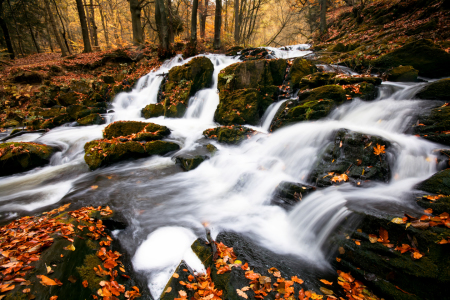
403,74
438,90
29,77
422,55
19,157
435,126
247,89
153,111
92,119
183,82
352,156
332,92
319,79
299,69
67,98
439,183
191,159
229,134
288,194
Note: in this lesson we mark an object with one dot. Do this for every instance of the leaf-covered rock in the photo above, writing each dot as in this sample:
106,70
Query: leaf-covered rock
403,74
153,111
435,125
229,134
92,119
299,69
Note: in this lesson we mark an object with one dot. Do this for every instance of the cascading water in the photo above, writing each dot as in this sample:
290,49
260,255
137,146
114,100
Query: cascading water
232,190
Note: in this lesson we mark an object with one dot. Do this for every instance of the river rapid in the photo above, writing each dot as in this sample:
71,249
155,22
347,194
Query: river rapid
167,209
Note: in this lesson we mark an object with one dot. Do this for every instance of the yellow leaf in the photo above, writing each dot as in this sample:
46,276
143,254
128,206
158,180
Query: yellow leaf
397,221
379,149
71,247
94,187
342,177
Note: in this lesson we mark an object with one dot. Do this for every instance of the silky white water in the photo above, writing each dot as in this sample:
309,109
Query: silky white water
232,191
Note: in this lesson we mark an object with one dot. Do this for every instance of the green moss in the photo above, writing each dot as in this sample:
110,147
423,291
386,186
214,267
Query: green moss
332,92
190,163
123,128
87,272
438,90
229,134
49,113
403,74
153,111
18,157
439,183
102,153
92,119
203,252
434,125
160,147
300,68
211,148
238,107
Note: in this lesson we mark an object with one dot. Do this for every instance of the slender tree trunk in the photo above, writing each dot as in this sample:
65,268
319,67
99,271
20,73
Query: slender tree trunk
135,10
158,22
323,16
217,24
88,22
164,25
226,16
6,33
16,27
94,26
203,15
64,33
55,30
194,22
171,22
236,22
104,24
84,27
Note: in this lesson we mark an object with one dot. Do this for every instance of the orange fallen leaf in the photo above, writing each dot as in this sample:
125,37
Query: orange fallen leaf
48,281
326,281
378,150
85,283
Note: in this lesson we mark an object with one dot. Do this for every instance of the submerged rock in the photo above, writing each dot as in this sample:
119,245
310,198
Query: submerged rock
190,160
229,134
288,194
435,125
351,157
18,157
403,74
438,90
422,55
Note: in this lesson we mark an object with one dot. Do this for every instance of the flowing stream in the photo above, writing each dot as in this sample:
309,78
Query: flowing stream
232,191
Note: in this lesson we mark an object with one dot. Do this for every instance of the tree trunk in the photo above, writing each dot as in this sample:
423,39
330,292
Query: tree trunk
217,24
55,30
194,22
104,25
16,27
158,22
84,27
94,27
163,25
135,10
170,22
6,32
203,15
64,33
236,22
323,16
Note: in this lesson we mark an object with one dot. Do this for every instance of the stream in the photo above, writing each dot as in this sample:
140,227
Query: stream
167,208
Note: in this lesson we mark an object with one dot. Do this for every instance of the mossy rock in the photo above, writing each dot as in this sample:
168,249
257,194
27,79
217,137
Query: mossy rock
422,55
81,86
439,183
50,113
352,153
434,125
123,128
293,111
76,111
56,121
299,69
339,47
332,92
199,70
153,111
19,157
189,163
229,134
67,98
317,79
173,286
152,132
175,110
438,90
108,79
438,206
239,107
403,74
92,119
104,152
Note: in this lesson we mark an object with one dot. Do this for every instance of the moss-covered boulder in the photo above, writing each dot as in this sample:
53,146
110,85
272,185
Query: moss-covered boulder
439,183
182,274
48,113
319,79
56,121
76,111
247,89
19,157
390,273
183,82
123,128
92,119
351,157
403,74
435,125
438,90
422,55
289,194
153,111
293,111
106,152
67,98
332,92
191,159
299,69
81,86
229,134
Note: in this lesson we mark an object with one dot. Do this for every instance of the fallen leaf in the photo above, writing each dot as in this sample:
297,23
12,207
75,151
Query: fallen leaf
326,281
168,290
241,293
428,211
398,221
94,187
85,283
53,297
378,150
48,281
296,279
71,247
175,275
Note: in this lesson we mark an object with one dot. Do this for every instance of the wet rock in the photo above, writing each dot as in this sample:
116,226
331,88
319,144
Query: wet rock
92,119
67,98
434,126
233,51
51,112
123,128
332,92
319,79
403,74
352,153
108,79
299,69
229,134
211,148
105,152
293,111
288,194
29,77
76,111
183,82
439,183
19,157
56,121
422,55
189,160
438,90
254,54
247,89
153,111
173,286
81,86
424,278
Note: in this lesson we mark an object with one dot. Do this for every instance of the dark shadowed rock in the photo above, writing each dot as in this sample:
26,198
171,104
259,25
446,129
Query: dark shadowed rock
288,194
438,90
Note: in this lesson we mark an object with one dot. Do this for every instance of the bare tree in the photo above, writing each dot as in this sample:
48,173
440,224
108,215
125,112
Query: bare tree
217,24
